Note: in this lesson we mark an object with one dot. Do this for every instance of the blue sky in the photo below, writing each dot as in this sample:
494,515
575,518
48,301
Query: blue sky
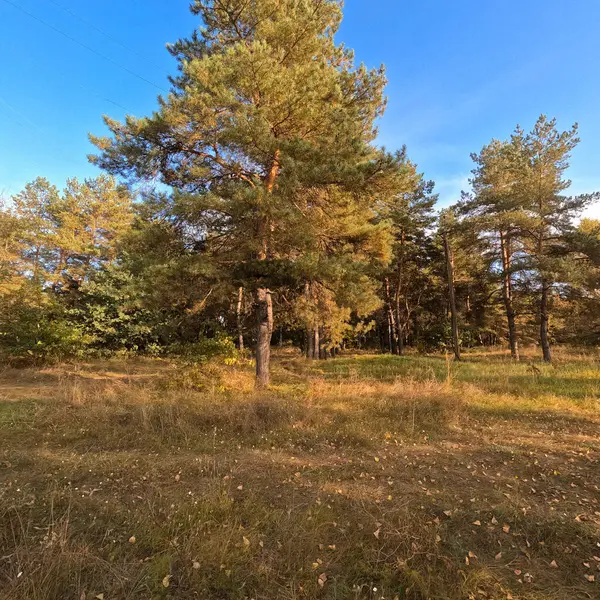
460,72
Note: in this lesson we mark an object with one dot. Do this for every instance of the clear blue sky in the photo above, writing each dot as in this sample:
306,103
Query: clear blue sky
460,71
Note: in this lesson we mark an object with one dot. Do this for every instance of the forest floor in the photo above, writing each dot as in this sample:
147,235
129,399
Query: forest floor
364,477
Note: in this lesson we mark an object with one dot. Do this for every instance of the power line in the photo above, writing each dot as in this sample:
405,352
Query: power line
57,30
106,35
11,118
19,114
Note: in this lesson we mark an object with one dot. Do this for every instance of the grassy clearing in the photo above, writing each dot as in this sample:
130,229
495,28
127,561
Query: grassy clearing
367,477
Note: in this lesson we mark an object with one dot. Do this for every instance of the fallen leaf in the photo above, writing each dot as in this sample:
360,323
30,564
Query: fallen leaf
195,565
498,556
472,554
506,528
99,597
322,579
494,521
246,541
376,533
132,539
590,578
554,565
166,580
478,523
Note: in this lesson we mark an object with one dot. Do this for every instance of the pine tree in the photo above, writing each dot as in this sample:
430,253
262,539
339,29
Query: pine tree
546,214
447,223
493,210
265,108
410,214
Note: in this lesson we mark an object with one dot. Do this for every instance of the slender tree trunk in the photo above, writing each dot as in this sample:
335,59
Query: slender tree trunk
316,343
392,330
507,295
400,347
264,302
240,304
264,312
400,286
310,333
310,344
322,350
452,296
544,318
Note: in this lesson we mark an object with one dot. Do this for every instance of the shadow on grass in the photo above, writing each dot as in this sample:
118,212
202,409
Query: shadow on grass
247,522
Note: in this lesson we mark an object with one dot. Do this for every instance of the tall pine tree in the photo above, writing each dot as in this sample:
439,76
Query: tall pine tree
266,106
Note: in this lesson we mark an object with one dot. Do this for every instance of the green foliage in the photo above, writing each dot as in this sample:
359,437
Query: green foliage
273,195
109,308
34,326
205,349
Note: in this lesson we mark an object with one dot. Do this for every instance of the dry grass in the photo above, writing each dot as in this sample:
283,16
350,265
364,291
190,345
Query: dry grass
367,477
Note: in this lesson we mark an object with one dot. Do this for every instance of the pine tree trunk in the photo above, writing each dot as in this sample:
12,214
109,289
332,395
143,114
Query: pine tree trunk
392,330
310,344
399,288
322,350
452,297
544,318
507,295
240,331
264,312
316,343
264,302
400,348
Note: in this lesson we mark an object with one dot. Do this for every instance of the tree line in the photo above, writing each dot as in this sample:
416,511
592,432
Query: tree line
265,213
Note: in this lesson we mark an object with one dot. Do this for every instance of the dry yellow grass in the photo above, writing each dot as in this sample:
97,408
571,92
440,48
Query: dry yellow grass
367,477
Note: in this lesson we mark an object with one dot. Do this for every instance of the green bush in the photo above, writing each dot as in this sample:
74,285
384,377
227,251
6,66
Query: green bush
39,331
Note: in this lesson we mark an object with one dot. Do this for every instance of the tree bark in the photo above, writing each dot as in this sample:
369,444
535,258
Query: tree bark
310,344
544,318
400,285
264,312
322,350
392,330
452,296
264,302
240,304
507,296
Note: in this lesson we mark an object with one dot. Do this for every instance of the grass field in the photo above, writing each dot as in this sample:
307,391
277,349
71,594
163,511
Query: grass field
365,477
